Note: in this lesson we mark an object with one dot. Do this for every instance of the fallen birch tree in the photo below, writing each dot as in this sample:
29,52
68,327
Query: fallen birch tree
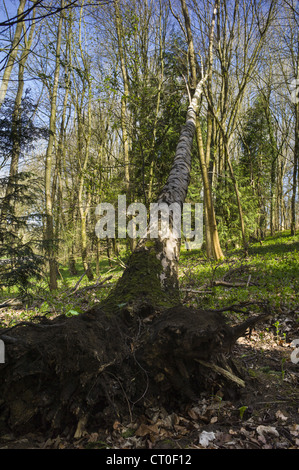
137,348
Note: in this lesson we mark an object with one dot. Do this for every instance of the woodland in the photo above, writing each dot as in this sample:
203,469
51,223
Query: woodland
142,342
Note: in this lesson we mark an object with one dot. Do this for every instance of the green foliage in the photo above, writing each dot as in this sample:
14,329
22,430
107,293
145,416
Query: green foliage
72,313
20,262
254,172
227,211
272,267
242,410
257,157
21,128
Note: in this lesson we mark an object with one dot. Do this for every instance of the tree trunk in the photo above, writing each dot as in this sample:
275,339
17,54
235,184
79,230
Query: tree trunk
124,117
12,54
84,252
49,233
16,117
156,260
296,158
212,239
240,211
72,265
213,247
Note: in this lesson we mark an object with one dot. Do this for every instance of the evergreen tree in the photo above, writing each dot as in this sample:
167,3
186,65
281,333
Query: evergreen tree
19,259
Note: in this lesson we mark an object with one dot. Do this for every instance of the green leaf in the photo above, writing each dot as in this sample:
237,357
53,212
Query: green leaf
242,410
72,313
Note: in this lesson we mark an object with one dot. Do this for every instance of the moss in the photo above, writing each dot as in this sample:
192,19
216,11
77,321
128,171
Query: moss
150,243
141,283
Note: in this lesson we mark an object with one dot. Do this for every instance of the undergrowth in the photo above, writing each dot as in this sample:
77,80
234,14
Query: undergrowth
269,274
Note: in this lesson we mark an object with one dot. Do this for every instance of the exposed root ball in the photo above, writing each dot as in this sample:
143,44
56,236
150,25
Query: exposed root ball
69,374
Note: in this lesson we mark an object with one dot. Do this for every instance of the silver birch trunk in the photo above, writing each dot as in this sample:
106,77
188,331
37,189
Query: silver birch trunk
151,276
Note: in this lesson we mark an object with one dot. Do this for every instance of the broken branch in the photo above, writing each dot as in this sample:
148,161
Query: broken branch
220,370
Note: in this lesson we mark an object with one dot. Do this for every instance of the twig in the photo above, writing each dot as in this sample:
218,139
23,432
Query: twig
236,307
231,284
6,303
197,291
78,283
224,372
94,286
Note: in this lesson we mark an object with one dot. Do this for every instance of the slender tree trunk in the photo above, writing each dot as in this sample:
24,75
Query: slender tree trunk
273,196
16,132
49,233
84,252
212,239
240,211
160,85
12,54
84,210
296,158
124,100
295,175
16,137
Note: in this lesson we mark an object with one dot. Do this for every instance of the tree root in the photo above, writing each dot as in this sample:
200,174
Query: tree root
66,375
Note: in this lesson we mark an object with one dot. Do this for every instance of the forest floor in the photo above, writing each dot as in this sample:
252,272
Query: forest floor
266,415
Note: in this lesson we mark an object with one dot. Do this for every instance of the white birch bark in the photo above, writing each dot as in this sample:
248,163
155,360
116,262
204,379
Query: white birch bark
175,191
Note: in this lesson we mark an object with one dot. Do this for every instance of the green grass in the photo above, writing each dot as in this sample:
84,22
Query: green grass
46,303
273,268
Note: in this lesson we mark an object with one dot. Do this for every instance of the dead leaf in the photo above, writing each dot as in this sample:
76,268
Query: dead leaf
205,438
294,429
181,429
267,430
279,415
262,438
93,437
116,425
224,438
204,418
170,420
192,414
145,430
165,433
